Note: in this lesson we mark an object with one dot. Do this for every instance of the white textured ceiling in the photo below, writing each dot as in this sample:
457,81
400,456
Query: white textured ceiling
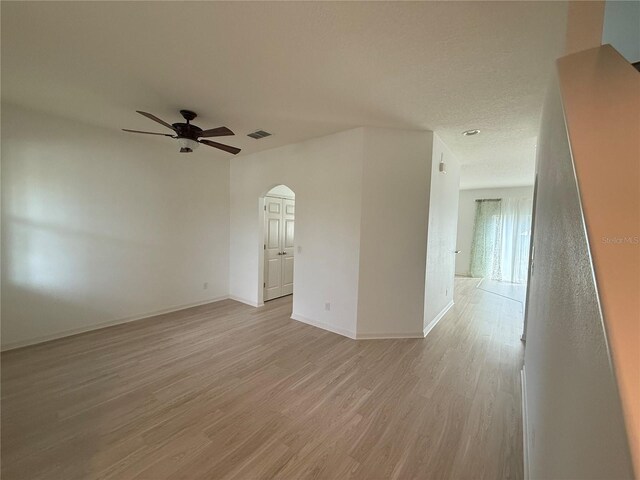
297,69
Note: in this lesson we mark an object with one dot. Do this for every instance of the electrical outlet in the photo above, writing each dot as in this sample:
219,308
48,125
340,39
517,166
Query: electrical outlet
327,306
299,249
205,285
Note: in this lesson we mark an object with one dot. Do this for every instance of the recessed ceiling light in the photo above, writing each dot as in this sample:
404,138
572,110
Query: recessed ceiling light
469,133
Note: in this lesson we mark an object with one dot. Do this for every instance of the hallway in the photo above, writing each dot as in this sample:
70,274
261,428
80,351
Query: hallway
228,391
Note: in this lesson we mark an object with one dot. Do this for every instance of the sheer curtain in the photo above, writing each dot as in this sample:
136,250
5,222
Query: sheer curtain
502,233
486,232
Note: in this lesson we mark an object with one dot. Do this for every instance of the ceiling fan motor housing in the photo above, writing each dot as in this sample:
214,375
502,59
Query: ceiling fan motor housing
186,130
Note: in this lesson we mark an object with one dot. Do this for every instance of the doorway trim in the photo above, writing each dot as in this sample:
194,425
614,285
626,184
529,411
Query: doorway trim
261,230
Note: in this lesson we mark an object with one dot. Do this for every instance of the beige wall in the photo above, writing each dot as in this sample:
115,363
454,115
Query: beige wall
601,100
393,232
100,226
441,234
573,420
585,21
326,175
362,200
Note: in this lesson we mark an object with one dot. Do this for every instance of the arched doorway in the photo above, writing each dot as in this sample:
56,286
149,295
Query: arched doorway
278,243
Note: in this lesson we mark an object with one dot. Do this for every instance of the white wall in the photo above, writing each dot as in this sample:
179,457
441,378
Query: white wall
326,176
574,419
100,226
361,221
442,226
393,235
467,215
621,28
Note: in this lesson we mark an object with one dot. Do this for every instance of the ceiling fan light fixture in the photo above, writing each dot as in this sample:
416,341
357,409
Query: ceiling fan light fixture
187,145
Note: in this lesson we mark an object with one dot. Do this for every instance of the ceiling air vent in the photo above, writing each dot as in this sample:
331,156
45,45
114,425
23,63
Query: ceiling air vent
258,134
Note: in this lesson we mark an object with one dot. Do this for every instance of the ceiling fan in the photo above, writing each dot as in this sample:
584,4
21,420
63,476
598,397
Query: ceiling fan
189,136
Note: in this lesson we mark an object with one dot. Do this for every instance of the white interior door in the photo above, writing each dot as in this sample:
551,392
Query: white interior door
279,215
272,248
288,223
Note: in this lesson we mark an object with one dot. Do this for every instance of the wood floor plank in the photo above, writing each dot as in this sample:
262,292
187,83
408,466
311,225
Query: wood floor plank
226,391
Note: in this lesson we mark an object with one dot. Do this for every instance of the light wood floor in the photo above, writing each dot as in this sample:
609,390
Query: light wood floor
228,391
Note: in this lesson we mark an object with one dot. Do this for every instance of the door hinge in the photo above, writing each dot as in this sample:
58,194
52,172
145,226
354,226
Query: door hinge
265,246
265,208
264,285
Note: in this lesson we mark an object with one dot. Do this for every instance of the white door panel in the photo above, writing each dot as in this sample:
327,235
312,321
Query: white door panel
273,233
274,207
287,276
274,275
288,233
278,247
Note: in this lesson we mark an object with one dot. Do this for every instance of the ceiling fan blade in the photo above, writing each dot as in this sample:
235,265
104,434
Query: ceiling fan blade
221,146
148,133
156,119
216,132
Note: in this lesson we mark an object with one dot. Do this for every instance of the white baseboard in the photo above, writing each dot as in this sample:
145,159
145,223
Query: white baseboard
245,301
387,335
525,424
373,335
435,321
324,326
354,335
101,325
